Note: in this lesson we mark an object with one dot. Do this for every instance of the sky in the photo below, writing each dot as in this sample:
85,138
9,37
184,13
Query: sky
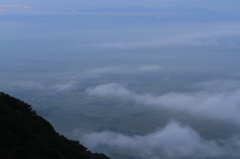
178,60
60,5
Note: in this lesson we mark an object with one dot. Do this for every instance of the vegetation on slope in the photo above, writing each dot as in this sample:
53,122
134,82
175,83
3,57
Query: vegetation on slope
24,134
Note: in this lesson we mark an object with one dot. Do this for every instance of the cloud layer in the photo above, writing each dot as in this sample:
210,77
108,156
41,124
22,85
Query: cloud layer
198,39
222,105
173,141
59,87
13,6
125,69
66,81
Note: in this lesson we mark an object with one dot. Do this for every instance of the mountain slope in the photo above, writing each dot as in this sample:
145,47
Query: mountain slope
24,134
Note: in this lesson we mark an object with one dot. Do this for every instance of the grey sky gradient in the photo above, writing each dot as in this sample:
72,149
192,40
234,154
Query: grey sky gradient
59,5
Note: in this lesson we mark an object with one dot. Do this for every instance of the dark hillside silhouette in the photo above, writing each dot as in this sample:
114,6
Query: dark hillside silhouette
24,134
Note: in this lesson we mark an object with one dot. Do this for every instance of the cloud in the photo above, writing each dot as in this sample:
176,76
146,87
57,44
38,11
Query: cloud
26,7
65,86
221,105
125,69
57,87
188,40
95,72
69,80
219,85
28,85
173,141
12,6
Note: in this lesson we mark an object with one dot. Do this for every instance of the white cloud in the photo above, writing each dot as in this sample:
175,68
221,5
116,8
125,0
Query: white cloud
222,105
173,141
64,86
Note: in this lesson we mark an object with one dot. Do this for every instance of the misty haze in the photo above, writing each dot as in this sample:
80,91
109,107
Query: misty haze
133,82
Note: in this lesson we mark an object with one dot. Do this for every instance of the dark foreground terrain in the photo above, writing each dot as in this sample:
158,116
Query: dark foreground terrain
24,134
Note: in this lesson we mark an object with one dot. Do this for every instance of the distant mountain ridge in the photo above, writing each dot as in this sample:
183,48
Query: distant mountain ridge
24,134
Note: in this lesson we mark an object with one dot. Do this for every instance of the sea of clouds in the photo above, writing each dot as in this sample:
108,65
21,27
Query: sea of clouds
174,140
